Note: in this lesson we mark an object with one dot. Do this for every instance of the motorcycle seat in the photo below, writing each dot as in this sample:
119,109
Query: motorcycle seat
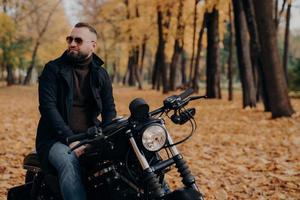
31,162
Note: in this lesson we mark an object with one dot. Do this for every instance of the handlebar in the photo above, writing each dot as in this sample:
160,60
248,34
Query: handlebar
186,93
77,137
91,133
176,102
84,138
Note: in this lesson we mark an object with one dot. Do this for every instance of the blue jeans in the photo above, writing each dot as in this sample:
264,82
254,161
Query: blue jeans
69,172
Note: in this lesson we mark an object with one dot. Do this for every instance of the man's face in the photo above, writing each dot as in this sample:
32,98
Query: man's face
81,43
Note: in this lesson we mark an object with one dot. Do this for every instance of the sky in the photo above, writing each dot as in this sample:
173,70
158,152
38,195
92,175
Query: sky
70,7
295,16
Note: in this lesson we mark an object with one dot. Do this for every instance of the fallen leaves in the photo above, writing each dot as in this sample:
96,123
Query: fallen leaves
234,154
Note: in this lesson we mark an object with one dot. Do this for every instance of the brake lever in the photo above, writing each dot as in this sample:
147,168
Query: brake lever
197,97
187,100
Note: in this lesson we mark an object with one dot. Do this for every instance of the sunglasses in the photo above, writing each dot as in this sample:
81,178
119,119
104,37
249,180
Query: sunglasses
77,40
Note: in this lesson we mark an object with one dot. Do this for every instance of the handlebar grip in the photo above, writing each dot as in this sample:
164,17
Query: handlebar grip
186,93
76,137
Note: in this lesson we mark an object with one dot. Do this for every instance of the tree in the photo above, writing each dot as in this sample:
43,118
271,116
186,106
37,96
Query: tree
6,42
286,39
160,69
229,61
194,38
256,56
213,68
132,66
178,47
243,51
198,55
41,28
276,84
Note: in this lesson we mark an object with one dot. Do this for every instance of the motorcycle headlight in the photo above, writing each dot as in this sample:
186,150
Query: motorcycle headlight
154,137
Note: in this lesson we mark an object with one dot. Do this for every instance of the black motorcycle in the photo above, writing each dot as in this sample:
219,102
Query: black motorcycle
123,159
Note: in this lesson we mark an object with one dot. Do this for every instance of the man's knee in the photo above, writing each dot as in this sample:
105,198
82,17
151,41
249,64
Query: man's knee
70,161
61,159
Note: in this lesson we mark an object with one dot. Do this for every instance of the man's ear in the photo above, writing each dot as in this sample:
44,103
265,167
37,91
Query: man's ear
94,45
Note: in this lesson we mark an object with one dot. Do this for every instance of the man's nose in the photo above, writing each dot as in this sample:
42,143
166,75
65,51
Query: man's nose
73,44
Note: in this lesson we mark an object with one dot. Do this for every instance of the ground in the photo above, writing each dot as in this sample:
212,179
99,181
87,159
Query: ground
235,153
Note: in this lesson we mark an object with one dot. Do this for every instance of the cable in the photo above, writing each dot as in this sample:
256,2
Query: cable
193,124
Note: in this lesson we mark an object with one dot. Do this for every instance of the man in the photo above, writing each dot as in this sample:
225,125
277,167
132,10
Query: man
73,91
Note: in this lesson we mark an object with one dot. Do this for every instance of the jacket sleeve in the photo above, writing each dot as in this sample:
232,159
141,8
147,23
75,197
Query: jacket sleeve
48,103
108,104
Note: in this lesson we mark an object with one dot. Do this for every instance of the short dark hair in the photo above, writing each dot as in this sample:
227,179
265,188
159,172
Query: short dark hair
88,26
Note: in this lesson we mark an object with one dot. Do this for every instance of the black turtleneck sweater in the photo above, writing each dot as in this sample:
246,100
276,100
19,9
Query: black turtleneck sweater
80,117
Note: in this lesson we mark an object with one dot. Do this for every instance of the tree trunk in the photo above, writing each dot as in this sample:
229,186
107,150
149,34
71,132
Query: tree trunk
275,79
249,14
115,71
276,12
174,64
131,55
37,44
244,60
286,40
136,67
125,78
4,2
183,69
198,55
213,67
159,54
32,64
194,38
256,55
178,47
10,80
159,72
131,70
144,44
105,51
229,62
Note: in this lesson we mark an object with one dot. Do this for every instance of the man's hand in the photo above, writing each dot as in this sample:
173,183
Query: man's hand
80,150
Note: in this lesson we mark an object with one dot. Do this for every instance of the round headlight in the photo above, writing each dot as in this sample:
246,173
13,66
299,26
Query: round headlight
154,137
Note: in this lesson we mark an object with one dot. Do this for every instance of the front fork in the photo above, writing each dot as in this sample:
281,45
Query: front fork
187,178
151,179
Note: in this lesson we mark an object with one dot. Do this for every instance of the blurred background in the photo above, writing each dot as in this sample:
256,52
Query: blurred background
131,44
159,43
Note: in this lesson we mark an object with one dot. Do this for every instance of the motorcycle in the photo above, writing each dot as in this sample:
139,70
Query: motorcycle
123,159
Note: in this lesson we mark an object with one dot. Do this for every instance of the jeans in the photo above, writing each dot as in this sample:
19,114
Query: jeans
69,173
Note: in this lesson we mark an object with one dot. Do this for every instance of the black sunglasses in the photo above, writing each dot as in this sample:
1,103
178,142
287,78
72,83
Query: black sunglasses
70,39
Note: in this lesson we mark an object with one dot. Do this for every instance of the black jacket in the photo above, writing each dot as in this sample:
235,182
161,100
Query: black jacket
55,102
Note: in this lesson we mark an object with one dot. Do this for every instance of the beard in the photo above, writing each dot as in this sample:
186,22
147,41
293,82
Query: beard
77,56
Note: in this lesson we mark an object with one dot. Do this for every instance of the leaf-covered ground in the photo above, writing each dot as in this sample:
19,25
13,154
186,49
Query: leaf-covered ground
234,154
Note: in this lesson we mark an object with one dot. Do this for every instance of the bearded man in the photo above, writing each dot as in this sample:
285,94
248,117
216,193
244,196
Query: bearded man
73,91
